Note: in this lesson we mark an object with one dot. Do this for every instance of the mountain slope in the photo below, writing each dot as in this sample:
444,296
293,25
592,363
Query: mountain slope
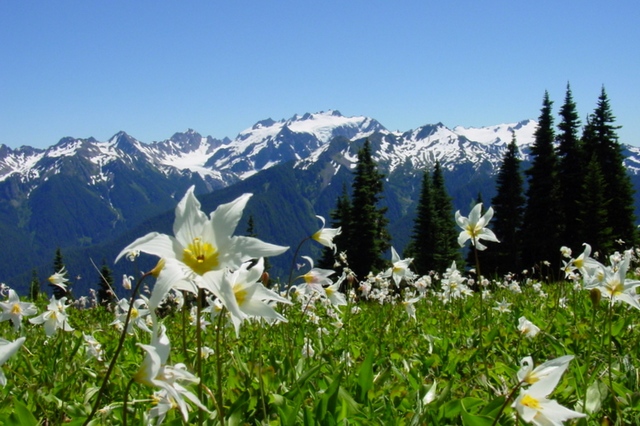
91,198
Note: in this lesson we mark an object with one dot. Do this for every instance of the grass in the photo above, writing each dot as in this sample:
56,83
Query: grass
368,362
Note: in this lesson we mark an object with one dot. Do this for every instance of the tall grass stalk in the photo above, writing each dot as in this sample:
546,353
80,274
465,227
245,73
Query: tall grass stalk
114,359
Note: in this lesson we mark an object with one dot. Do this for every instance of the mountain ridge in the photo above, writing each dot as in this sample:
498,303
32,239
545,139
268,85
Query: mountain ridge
80,194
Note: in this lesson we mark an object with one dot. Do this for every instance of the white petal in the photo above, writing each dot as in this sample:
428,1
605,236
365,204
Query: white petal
161,245
190,220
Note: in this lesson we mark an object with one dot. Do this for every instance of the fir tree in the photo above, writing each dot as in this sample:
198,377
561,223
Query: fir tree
447,249
508,206
369,236
541,218
601,140
106,295
34,287
571,167
422,245
593,209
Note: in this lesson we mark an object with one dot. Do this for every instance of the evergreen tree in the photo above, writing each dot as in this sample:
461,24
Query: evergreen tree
340,218
369,236
593,209
58,266
106,295
422,245
600,139
571,167
508,206
447,249
541,218
34,287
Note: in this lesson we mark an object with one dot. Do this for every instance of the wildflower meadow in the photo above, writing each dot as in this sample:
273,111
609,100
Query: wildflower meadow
206,337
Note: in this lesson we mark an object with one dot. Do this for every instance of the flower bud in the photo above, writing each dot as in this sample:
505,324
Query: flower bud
159,266
595,297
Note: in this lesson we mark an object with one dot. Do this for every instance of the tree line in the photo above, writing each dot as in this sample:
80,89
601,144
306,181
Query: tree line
576,190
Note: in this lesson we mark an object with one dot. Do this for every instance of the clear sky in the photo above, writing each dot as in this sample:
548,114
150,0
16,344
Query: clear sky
152,68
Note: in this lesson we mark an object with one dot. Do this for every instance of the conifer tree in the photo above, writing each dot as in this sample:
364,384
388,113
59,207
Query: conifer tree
447,249
508,206
369,236
106,296
593,209
34,287
541,218
571,168
423,239
600,139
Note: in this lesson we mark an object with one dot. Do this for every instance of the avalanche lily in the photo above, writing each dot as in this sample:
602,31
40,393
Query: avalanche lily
400,269
325,236
527,328
615,286
155,372
13,309
202,244
243,294
59,279
54,318
532,404
475,227
7,350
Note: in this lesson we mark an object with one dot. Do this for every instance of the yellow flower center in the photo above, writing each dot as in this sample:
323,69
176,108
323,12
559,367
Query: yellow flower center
16,309
473,230
531,402
134,313
200,256
615,287
240,293
329,291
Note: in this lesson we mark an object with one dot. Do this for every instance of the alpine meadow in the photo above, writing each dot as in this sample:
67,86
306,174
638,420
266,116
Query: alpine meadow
325,270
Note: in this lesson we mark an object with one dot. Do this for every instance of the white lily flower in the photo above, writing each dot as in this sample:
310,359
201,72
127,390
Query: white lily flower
532,404
155,372
200,244
7,350
54,317
243,294
527,328
59,279
325,236
475,227
13,309
400,269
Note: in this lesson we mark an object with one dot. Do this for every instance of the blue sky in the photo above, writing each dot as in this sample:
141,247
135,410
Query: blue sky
152,68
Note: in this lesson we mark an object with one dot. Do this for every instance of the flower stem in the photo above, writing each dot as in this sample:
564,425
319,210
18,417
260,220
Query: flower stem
117,352
199,352
220,403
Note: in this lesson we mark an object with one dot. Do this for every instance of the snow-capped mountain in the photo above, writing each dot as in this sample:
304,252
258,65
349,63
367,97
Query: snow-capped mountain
85,192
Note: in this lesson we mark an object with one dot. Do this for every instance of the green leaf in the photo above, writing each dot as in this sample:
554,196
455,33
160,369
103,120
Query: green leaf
365,376
475,420
21,415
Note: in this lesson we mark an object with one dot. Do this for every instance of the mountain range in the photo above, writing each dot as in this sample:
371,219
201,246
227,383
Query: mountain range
90,198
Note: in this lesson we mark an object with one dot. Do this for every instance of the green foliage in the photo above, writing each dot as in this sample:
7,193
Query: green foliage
601,140
368,225
571,173
508,205
446,232
541,217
